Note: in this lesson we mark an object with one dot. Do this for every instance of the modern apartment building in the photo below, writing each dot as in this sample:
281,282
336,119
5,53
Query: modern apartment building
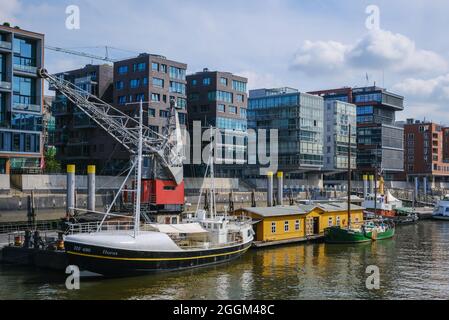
426,157
21,99
154,79
380,142
79,140
219,99
338,118
299,119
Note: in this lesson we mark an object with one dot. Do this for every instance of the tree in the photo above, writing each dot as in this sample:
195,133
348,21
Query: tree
51,164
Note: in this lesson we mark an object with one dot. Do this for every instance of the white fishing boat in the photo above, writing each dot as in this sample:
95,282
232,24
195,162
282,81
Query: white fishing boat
441,211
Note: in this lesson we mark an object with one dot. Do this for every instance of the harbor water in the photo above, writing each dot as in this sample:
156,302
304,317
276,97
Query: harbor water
413,265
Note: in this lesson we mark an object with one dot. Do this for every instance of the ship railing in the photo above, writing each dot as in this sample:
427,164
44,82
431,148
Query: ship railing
94,227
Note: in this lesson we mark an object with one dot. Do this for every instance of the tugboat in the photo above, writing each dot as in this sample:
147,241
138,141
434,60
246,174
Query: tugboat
442,209
130,248
371,230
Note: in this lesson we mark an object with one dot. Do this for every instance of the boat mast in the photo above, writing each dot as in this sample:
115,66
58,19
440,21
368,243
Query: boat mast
138,193
212,174
349,178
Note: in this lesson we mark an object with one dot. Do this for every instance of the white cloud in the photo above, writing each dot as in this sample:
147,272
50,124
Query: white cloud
320,55
435,89
260,80
378,49
8,10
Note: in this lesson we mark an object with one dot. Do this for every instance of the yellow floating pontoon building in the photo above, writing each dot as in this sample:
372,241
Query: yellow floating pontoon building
287,224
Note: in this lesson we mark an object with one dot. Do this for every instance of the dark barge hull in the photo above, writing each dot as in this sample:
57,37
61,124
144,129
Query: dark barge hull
118,263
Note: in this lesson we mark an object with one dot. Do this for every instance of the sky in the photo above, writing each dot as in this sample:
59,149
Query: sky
304,44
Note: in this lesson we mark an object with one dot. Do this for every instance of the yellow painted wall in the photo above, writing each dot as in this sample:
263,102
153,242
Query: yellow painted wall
264,228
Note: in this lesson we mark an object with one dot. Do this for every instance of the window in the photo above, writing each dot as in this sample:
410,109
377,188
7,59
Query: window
338,221
24,52
221,108
120,85
220,96
122,99
194,96
224,81
134,83
273,227
243,113
164,68
177,87
239,86
182,103
240,98
330,222
232,124
177,73
139,67
194,82
123,69
156,97
297,225
164,114
158,82
140,97
145,81
155,66
286,226
182,118
152,112
206,81
232,109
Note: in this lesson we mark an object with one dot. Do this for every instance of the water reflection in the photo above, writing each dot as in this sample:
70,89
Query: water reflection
414,265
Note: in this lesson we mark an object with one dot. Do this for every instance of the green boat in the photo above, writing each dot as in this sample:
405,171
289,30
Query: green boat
372,230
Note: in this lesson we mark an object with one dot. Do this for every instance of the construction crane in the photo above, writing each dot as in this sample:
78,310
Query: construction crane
82,54
165,151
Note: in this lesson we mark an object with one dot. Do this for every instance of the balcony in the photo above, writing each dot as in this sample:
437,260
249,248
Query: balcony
27,107
5,45
5,85
25,69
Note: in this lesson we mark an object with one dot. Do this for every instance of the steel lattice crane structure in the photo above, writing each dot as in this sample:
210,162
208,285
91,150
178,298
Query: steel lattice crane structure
165,150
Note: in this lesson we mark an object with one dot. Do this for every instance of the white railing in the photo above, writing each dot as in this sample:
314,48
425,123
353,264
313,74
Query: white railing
5,45
27,107
27,69
92,227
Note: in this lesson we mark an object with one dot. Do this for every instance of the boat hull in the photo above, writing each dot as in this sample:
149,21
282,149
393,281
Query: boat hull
117,262
339,235
441,218
377,236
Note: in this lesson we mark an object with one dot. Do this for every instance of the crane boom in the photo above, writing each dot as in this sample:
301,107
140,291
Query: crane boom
125,129
81,54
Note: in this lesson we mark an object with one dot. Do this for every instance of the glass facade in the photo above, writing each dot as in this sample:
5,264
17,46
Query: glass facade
19,142
231,124
299,119
2,67
24,52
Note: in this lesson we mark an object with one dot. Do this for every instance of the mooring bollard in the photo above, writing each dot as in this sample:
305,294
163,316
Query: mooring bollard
91,188
270,189
280,188
70,189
